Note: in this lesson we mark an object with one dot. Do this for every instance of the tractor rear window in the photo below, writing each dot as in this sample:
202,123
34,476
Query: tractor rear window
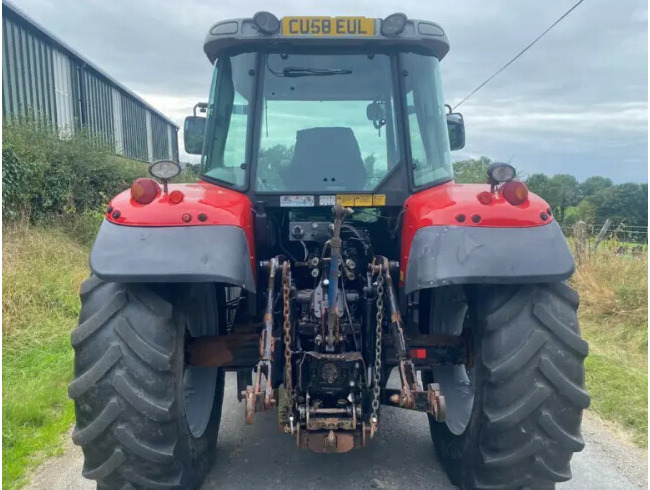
327,123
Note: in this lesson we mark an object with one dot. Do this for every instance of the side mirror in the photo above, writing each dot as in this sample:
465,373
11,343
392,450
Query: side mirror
193,132
456,128
376,112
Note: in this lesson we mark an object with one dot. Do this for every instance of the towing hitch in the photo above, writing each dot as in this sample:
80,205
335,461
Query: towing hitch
430,401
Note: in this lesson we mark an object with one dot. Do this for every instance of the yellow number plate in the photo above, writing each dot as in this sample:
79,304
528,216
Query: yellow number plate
328,26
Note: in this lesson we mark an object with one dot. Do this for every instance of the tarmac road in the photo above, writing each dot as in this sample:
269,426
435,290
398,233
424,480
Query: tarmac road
400,457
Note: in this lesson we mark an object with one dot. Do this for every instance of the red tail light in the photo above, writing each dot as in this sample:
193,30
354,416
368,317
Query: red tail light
515,192
175,197
484,197
418,353
144,190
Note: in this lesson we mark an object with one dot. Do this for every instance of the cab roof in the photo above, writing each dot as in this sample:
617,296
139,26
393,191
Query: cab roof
244,34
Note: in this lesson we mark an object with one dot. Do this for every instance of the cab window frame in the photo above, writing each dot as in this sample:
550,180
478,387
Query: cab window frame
406,130
250,125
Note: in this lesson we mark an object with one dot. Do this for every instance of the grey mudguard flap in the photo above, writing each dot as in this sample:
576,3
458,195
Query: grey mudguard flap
172,254
442,255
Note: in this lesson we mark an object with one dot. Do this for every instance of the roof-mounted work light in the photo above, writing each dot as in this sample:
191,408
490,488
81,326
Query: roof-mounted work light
266,22
500,172
165,170
393,25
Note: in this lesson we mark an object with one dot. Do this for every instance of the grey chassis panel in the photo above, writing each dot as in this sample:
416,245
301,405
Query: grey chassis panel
442,255
172,254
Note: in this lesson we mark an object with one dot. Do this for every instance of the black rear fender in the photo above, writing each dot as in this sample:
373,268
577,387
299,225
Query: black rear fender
446,255
173,254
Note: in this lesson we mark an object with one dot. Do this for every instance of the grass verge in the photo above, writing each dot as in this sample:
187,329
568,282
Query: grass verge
41,273
614,320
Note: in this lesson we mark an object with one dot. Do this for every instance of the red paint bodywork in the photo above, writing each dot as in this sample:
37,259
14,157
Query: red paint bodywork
439,205
442,205
221,206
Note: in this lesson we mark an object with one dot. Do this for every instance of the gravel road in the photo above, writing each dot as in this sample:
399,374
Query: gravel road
402,456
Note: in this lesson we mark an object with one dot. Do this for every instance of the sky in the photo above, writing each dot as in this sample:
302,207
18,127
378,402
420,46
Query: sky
576,102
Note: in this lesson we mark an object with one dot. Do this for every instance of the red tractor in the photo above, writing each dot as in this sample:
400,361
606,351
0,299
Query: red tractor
325,245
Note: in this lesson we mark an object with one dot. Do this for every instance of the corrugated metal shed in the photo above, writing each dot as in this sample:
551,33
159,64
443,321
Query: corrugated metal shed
43,76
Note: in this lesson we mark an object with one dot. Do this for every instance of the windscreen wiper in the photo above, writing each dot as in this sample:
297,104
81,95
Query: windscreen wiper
296,71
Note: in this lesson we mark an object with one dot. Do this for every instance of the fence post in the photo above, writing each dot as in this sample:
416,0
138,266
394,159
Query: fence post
580,240
602,232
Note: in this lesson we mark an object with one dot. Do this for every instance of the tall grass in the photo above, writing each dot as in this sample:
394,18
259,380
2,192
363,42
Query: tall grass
53,195
41,273
614,319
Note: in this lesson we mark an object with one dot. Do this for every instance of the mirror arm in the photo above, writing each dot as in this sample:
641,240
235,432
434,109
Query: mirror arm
201,106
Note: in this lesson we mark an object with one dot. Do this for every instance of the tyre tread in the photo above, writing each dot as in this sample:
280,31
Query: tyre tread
147,405
151,453
84,436
507,417
511,364
578,396
89,379
170,483
528,424
572,340
571,442
98,320
125,390
147,353
107,467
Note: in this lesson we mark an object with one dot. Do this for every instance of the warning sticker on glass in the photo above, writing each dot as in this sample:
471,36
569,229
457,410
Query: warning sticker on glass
345,199
361,199
297,201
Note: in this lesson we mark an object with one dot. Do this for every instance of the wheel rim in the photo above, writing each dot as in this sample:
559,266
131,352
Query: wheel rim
458,387
199,386
199,383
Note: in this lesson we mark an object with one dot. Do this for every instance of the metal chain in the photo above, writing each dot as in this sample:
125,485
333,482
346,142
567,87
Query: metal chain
380,321
286,290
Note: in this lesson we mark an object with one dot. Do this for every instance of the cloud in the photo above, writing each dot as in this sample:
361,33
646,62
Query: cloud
575,102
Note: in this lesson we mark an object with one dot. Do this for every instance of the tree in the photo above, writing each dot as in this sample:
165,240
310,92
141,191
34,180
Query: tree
627,202
585,211
538,183
472,171
270,164
273,155
560,191
594,184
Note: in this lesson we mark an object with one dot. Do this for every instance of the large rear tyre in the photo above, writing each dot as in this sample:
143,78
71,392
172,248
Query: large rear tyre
144,418
513,418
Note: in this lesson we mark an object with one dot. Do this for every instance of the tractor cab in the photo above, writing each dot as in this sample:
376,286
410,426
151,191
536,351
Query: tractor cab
305,111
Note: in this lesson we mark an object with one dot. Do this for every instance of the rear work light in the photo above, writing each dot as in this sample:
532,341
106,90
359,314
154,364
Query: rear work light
144,190
393,25
515,192
266,22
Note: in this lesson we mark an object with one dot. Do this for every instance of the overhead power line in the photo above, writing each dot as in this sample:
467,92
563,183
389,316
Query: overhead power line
520,53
